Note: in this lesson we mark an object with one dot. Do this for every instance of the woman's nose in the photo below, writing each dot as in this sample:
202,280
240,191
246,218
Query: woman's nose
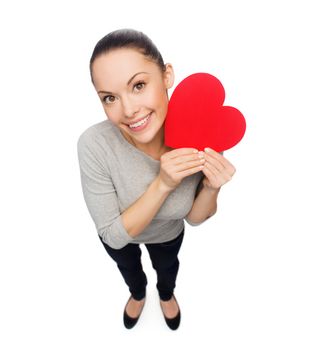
129,107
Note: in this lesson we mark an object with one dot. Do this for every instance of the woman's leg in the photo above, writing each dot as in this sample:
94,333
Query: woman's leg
128,260
165,262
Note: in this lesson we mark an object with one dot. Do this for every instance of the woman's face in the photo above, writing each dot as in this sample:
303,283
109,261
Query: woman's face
132,90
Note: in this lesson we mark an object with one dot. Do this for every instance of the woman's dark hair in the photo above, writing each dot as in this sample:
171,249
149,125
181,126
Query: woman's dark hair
127,38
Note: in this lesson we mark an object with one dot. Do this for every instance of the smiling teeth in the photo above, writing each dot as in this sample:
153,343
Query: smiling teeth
141,122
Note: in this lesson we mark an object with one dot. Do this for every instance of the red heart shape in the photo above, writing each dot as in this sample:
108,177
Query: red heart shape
197,118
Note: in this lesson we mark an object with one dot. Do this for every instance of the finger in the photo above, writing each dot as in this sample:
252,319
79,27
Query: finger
212,178
214,162
217,156
222,177
212,168
187,165
180,152
225,162
190,171
215,180
182,157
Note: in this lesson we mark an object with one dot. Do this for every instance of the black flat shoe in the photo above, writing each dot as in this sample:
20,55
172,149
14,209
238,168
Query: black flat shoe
130,322
173,323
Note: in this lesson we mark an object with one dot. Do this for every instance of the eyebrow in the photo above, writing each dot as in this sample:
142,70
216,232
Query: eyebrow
128,83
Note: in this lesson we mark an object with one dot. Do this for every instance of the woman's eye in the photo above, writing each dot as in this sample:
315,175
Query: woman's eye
109,99
139,86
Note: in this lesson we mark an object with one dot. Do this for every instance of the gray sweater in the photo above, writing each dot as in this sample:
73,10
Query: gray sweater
114,174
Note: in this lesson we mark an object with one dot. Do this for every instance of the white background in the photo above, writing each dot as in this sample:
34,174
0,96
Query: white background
249,275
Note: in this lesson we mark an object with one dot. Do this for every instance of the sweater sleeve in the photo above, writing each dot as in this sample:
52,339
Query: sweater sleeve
99,192
193,223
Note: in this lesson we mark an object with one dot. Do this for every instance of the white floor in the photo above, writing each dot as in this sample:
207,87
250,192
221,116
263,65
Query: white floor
233,295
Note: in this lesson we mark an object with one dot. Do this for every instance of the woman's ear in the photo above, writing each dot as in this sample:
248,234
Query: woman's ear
169,76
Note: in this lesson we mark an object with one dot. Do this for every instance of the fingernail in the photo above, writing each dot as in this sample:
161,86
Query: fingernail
195,151
201,154
207,149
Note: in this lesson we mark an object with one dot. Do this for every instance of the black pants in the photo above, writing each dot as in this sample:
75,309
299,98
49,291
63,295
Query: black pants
164,261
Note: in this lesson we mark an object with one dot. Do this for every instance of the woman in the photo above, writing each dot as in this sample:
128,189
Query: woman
137,189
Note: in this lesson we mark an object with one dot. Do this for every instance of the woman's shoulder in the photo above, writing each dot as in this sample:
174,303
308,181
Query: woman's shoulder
97,129
96,143
100,131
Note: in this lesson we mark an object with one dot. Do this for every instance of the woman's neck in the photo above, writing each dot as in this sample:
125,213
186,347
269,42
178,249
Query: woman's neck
155,148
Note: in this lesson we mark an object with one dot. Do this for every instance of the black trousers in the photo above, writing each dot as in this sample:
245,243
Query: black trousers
164,260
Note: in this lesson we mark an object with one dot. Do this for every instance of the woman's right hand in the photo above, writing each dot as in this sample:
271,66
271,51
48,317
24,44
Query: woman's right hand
178,164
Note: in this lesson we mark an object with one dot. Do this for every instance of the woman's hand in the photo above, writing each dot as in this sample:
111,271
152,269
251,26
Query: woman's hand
217,169
178,164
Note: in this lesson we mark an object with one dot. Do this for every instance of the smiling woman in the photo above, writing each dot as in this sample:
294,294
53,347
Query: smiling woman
133,92
138,190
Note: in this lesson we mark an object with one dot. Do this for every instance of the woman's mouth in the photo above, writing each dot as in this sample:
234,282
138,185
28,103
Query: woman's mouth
141,125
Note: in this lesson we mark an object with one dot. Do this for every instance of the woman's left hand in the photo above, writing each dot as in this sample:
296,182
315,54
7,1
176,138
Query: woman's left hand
217,170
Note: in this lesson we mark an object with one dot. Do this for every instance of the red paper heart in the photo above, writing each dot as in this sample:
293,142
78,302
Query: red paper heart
197,118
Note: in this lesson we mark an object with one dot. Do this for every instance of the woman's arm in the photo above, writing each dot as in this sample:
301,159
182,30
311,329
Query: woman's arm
138,216
116,229
218,171
204,206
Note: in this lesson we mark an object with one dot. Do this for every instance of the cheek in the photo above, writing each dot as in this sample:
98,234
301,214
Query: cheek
156,95
160,101
113,114
150,97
